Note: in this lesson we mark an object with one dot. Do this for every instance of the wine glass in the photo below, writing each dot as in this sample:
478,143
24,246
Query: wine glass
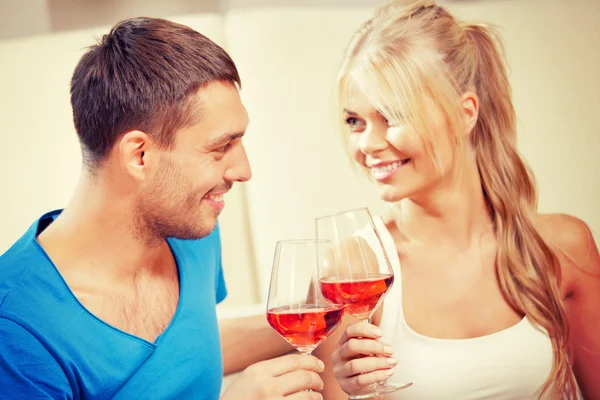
356,272
296,309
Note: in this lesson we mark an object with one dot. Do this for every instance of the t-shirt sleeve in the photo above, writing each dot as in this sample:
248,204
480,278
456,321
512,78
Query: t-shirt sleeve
220,286
27,369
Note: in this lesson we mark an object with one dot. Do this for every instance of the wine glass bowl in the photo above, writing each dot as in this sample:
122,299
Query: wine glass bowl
296,308
356,272
361,294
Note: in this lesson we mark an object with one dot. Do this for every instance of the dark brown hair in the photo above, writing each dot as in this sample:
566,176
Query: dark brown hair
140,76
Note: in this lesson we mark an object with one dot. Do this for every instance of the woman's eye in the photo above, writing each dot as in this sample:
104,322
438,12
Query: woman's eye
351,121
355,124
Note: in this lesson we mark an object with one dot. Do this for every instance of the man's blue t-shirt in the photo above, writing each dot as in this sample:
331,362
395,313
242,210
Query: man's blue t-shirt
52,347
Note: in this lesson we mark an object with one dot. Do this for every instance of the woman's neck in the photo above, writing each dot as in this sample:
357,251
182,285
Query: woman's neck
455,211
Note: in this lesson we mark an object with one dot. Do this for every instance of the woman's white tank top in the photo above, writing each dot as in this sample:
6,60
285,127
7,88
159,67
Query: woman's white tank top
511,364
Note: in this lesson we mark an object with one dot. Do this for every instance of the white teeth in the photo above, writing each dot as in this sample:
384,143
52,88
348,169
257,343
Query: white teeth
218,197
386,168
384,171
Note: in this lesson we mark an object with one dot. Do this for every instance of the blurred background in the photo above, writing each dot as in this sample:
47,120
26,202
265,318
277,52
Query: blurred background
288,53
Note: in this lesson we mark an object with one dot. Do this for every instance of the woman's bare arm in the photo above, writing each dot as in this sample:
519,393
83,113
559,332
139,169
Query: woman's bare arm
580,262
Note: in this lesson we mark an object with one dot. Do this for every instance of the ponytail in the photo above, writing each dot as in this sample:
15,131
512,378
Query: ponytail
528,271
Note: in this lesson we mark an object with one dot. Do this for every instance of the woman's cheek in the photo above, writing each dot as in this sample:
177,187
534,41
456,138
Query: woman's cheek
396,136
354,150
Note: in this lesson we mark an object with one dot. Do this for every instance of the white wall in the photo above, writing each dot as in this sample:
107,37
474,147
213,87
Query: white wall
39,153
288,59
554,51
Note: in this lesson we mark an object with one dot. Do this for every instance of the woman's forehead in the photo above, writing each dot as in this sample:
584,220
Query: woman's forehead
356,100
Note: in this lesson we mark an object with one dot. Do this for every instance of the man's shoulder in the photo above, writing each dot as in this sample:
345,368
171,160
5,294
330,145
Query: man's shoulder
24,251
15,263
24,312
25,272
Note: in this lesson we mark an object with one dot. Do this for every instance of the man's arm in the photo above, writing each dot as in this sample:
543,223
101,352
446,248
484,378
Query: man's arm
245,341
27,369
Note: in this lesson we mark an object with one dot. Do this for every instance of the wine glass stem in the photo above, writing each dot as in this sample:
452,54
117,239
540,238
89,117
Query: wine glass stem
306,353
368,321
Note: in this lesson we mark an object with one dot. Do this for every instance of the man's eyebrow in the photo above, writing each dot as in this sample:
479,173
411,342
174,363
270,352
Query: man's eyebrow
225,138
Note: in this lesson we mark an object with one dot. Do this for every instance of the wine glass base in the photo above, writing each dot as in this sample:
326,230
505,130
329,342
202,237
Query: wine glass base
379,389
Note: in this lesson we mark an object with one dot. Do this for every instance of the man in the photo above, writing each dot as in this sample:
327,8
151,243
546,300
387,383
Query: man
114,296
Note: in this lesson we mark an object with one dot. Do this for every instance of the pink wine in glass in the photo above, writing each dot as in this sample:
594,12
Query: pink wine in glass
360,294
306,326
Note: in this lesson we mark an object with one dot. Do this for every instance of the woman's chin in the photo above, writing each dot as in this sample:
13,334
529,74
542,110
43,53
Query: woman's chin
392,195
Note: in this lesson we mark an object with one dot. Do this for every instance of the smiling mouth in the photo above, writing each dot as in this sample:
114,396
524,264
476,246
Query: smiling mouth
384,171
214,197
215,201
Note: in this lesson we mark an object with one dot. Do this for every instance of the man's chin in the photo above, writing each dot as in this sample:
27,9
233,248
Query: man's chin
197,231
206,227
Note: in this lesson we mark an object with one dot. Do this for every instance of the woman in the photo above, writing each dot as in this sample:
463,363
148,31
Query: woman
492,299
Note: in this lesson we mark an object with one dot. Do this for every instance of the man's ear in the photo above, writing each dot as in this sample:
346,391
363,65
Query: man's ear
133,147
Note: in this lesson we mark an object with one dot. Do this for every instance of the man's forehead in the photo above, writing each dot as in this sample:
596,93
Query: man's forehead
229,124
219,96
220,111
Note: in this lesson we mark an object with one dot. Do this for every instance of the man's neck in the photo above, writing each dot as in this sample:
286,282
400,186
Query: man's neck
96,233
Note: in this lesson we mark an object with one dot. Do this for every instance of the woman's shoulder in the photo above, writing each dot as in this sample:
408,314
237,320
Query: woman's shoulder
573,243
568,234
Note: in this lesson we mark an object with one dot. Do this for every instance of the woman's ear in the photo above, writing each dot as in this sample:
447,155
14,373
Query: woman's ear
469,111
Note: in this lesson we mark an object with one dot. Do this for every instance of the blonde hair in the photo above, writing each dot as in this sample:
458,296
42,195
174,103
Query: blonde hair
414,54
